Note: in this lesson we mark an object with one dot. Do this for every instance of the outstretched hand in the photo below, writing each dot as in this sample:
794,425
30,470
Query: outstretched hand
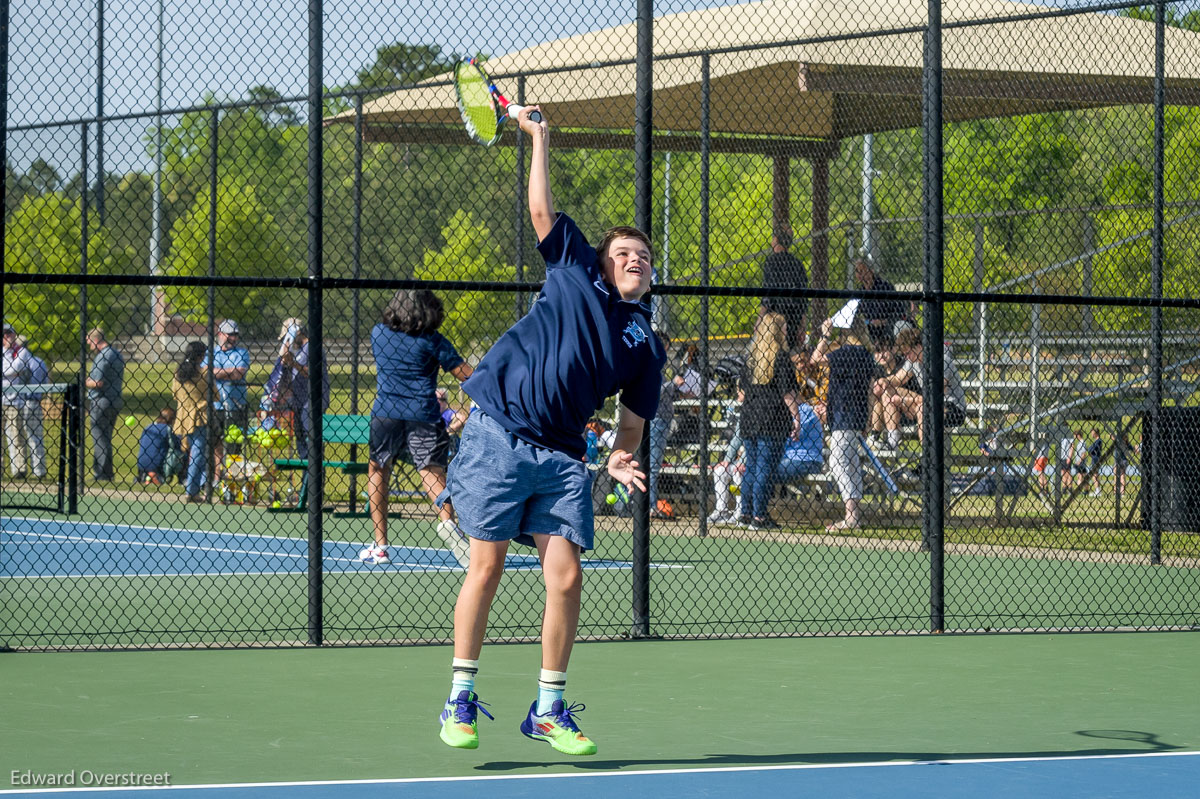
624,469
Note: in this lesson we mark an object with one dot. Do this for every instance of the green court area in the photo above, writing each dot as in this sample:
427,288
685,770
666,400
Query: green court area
221,578
370,713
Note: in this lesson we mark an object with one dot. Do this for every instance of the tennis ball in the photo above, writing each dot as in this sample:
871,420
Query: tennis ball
276,504
611,499
130,421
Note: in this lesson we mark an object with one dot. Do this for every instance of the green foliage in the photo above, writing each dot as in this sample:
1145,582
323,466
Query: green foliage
401,64
1014,164
248,242
474,319
43,238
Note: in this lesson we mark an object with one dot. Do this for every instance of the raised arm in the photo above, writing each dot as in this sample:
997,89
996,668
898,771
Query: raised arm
541,201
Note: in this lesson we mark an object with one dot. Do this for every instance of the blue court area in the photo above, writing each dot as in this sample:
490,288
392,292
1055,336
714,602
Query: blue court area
1162,775
33,548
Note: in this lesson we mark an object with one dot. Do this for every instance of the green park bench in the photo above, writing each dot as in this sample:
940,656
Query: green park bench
337,429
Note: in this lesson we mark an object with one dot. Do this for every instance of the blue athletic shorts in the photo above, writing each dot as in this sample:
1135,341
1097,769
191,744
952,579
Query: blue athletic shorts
506,489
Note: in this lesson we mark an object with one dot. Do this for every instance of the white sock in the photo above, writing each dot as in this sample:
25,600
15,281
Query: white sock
463,672
551,686
893,438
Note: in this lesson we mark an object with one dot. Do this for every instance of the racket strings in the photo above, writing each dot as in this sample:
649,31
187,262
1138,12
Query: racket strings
475,103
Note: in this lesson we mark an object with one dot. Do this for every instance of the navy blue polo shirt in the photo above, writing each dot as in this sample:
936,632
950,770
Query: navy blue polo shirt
407,366
579,344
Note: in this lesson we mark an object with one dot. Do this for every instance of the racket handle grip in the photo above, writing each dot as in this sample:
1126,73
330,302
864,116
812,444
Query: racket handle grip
513,109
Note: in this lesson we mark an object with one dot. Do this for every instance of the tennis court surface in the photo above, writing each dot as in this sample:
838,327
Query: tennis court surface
1058,715
96,549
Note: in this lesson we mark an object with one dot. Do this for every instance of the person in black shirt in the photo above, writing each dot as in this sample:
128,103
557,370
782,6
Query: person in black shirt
850,368
881,315
768,411
782,270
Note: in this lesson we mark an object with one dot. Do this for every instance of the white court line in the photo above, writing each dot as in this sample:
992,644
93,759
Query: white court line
190,548
634,774
413,565
612,565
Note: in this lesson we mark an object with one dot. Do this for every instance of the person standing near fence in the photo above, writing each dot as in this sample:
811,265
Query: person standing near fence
850,368
228,365
782,270
406,421
31,414
520,472
190,390
768,412
288,387
16,373
104,384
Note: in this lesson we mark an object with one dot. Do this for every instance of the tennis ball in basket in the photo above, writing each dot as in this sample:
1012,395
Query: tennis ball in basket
130,421
611,499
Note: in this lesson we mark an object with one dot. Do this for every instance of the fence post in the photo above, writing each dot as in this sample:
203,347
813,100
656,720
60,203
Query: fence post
1151,481
1088,278
84,247
643,202
356,265
977,280
705,366
214,129
934,335
519,210
316,327
4,209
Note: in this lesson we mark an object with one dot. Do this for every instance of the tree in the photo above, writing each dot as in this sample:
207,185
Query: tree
43,237
1023,163
474,319
248,243
401,64
277,114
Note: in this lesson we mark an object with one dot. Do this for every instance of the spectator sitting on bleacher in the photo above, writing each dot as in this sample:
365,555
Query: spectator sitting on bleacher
901,391
813,379
885,318
728,472
156,441
886,364
660,427
803,454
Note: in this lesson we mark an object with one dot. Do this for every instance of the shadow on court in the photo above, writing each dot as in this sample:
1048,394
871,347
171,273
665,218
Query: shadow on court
1149,743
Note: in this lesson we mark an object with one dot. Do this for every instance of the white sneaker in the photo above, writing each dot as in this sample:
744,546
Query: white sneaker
456,541
374,556
719,518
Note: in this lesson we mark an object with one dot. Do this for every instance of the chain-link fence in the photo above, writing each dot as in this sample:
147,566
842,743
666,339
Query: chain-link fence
924,273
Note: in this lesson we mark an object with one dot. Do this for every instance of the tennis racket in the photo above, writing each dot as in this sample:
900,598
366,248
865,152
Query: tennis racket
481,104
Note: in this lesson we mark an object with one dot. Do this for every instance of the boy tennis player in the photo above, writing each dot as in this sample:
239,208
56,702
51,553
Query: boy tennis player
520,472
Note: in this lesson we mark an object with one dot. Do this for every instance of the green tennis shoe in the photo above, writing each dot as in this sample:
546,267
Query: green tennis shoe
558,728
459,728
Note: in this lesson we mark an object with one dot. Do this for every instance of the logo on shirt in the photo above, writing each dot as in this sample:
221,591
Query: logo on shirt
633,335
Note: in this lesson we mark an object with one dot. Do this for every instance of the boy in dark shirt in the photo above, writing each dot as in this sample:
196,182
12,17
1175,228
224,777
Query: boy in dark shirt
520,471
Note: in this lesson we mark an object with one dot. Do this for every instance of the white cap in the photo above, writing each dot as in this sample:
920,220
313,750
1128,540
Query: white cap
229,327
